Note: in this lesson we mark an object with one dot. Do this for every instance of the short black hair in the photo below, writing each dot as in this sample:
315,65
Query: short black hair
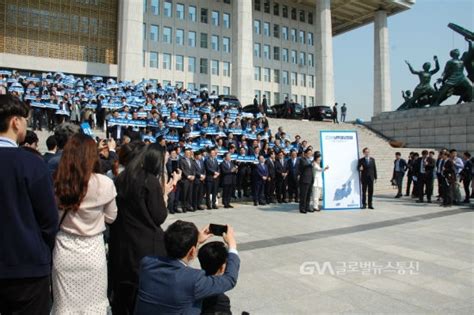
51,143
424,152
212,256
63,132
179,238
11,106
467,154
398,154
30,138
364,149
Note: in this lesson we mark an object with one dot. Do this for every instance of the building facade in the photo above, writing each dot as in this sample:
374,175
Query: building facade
279,48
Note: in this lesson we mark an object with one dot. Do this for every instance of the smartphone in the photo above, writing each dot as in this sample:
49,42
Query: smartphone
217,229
174,166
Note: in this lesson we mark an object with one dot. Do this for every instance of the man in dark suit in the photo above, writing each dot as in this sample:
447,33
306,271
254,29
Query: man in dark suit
260,177
52,146
399,169
292,165
168,285
212,179
187,180
423,169
270,187
281,173
368,177
171,166
305,181
199,180
228,171
264,104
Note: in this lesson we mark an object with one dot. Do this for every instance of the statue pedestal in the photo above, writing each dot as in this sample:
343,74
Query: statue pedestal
450,126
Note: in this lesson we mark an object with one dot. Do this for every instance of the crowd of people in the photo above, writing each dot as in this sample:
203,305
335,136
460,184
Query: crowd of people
448,169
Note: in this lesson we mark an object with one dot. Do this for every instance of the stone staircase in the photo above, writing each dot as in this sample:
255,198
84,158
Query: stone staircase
380,148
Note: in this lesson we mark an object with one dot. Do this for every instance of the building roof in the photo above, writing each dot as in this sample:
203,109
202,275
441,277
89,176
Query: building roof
350,14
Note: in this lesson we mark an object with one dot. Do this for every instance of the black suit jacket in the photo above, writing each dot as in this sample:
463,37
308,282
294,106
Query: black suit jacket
271,166
429,167
211,168
305,171
293,170
369,170
187,169
199,169
218,304
402,164
228,177
280,168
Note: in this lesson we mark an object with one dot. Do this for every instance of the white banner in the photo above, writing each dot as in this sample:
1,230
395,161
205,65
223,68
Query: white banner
340,152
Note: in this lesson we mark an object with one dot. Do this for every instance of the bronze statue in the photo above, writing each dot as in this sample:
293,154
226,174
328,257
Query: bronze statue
453,80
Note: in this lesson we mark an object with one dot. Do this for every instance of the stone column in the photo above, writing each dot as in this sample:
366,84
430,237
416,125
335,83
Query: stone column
382,88
324,58
242,51
130,40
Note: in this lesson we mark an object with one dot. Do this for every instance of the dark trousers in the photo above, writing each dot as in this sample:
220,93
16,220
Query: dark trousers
186,193
29,296
227,194
270,191
425,186
258,191
280,189
399,180
173,200
467,182
211,189
292,188
448,192
409,182
198,193
440,184
367,191
124,297
305,196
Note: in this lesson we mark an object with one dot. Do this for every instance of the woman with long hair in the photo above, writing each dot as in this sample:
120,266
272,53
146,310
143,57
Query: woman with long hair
143,190
318,180
86,201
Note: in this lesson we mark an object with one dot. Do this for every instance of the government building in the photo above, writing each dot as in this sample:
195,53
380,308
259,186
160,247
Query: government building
241,47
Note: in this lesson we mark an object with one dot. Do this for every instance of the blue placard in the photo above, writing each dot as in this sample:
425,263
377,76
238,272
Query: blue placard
86,129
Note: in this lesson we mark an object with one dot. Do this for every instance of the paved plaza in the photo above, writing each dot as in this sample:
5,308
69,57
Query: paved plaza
401,258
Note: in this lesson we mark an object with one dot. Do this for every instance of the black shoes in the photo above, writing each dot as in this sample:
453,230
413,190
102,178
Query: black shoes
371,207
214,207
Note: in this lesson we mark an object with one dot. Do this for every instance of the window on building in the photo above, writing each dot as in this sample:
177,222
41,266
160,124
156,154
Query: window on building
276,76
310,18
226,20
258,94
179,63
167,61
203,66
227,1
276,9
144,59
215,88
192,39
284,32
145,5
311,81
276,30
256,50
266,6
266,29
302,58
293,14
226,44
167,33
276,53
303,80
294,58
284,77
204,15
215,67
310,39
180,11
294,78
257,5
168,8
293,35
266,74
144,31
215,42
226,68
203,40
215,18
153,59
303,100
302,16
155,7
294,97
302,37
179,37
257,75
311,101
179,84
192,13
154,33
311,60
192,64
226,90
276,98
256,27
284,54
284,11
266,52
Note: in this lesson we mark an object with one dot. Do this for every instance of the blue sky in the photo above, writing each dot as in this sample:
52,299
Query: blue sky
416,35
